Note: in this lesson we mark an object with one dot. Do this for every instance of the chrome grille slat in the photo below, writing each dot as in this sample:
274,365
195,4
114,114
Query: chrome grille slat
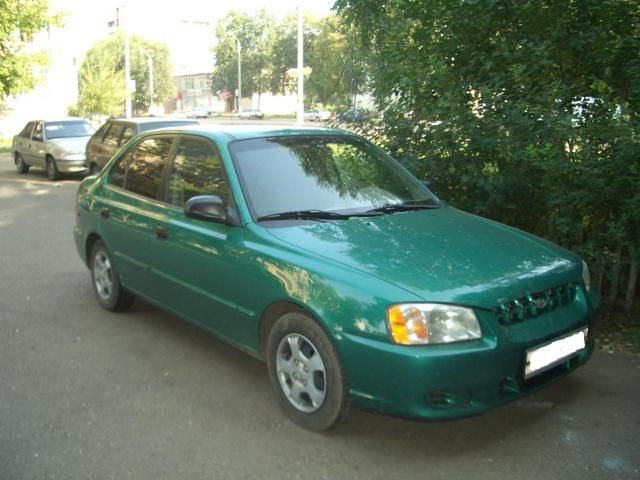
535,304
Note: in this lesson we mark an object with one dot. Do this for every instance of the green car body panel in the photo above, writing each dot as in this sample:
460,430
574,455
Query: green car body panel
346,274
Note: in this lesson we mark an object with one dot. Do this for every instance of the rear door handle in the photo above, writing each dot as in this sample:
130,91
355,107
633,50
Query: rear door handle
161,233
104,212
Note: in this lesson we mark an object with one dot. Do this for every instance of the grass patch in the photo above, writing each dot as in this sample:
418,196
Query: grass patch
617,332
5,145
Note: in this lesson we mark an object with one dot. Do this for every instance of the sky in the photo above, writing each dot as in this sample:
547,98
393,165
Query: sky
86,23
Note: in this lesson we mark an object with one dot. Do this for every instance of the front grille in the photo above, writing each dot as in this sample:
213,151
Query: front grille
536,304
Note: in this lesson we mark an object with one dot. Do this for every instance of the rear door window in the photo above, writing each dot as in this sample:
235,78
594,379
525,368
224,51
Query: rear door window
38,132
113,135
140,171
128,132
26,131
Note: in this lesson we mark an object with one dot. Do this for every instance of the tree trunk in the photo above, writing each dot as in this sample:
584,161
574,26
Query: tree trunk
615,276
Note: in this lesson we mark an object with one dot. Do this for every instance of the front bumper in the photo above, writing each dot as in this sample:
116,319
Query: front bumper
73,165
458,380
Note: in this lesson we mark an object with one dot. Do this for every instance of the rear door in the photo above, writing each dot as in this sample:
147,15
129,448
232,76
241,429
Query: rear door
22,141
129,207
35,152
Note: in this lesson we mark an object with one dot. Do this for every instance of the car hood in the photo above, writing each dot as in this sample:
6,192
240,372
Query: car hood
73,144
441,255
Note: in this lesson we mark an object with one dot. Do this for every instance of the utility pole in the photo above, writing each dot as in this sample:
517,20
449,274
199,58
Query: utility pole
239,74
150,63
127,67
300,113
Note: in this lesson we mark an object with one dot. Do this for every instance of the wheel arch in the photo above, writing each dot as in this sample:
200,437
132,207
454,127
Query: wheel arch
92,238
276,310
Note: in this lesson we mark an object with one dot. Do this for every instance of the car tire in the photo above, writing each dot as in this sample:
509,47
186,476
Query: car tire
106,281
52,169
306,373
20,165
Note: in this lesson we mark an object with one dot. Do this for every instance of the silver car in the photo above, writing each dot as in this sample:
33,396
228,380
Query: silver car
55,145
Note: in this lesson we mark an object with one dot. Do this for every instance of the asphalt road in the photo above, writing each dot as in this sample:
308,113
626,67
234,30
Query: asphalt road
86,394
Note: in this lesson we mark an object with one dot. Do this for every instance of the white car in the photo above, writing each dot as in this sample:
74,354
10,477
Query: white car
251,114
58,146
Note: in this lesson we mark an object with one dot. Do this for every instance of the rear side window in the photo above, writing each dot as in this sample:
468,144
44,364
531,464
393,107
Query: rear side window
140,171
126,135
99,135
113,135
26,131
196,170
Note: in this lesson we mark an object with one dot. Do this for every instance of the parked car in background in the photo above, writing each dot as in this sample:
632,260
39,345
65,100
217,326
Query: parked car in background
317,116
58,146
116,132
251,114
312,249
199,112
353,115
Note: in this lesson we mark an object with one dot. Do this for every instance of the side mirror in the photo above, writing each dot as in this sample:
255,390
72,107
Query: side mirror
206,207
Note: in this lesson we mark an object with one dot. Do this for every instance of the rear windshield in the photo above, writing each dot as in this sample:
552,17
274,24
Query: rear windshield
152,126
68,129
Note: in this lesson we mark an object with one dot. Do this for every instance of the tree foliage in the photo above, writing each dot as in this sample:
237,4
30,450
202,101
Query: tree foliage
20,20
269,57
102,84
524,111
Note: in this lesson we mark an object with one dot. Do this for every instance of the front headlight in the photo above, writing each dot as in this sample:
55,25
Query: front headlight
431,323
586,276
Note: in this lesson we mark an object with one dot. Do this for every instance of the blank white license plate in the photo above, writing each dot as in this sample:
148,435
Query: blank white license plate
543,358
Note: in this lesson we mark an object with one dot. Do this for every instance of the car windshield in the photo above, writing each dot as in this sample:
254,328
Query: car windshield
68,129
322,173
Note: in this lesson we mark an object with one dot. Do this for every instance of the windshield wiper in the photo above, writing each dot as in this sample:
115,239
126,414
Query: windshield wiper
402,207
319,215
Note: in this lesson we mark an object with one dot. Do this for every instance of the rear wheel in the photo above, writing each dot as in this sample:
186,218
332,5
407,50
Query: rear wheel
52,169
306,373
20,165
106,282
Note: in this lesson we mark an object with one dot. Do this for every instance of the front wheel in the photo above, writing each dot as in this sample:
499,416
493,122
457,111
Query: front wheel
106,282
306,373
20,165
52,169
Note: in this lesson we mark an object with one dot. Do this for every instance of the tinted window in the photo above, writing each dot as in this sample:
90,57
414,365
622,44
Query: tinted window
26,131
126,135
340,174
196,170
113,135
140,171
100,133
68,129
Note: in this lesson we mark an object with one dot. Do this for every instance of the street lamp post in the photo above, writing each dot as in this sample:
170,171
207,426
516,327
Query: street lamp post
239,73
127,67
300,112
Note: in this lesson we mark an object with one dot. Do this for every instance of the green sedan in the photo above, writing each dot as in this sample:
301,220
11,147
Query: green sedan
313,250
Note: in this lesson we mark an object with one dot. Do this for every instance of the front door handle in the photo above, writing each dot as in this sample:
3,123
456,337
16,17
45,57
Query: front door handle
104,212
161,233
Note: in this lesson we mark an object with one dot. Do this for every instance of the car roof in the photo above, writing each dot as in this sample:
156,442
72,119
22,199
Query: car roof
141,120
59,120
245,132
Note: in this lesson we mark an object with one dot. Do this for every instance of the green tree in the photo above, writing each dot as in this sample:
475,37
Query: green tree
20,20
524,111
102,85
255,36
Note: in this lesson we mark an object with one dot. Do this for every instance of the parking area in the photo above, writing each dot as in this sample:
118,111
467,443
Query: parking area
89,394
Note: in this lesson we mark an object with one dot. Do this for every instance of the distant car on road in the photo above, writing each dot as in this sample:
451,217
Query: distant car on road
199,112
116,132
353,115
251,114
58,146
317,116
